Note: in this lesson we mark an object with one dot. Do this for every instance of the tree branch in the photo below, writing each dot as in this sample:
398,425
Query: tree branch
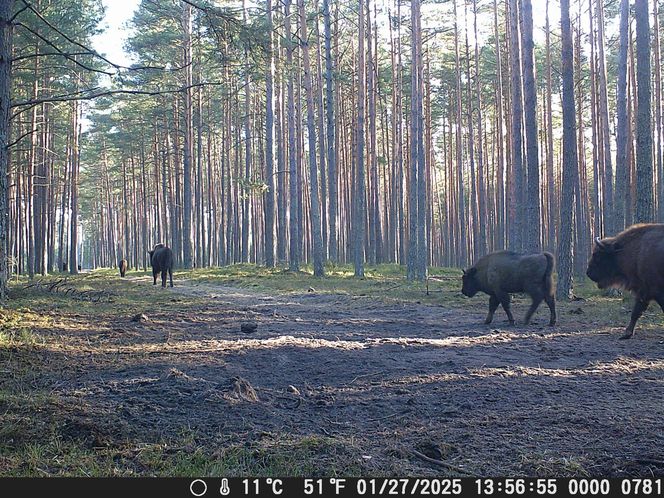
73,97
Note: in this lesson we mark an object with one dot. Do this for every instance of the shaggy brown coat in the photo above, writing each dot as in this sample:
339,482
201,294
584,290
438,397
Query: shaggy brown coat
501,273
633,260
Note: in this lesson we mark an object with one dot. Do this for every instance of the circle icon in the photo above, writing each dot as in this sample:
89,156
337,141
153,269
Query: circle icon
198,487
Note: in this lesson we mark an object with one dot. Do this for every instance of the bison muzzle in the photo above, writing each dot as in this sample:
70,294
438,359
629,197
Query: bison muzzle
501,273
633,260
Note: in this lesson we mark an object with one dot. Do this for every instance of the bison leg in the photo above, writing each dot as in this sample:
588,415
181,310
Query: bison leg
154,275
505,302
493,306
551,302
639,307
163,278
170,275
533,307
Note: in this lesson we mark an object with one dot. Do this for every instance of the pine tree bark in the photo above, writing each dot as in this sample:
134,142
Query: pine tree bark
316,233
622,173
570,165
644,166
533,220
6,10
413,169
187,249
269,142
360,202
518,201
294,252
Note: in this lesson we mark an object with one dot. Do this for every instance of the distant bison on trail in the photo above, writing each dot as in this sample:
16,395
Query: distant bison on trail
161,258
633,260
501,273
123,267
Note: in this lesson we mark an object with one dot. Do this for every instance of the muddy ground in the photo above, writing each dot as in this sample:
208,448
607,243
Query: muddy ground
385,382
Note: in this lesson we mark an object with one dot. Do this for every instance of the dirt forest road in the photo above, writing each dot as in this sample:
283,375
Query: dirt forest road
382,382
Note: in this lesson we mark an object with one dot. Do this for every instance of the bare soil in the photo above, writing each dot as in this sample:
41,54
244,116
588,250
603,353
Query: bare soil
387,381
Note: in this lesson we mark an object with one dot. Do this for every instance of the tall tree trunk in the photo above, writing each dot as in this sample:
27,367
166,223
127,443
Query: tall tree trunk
294,256
75,168
460,202
413,169
331,136
422,197
481,184
316,233
187,249
518,201
246,205
603,108
360,203
552,207
500,187
622,172
570,164
6,10
659,192
644,166
269,143
533,219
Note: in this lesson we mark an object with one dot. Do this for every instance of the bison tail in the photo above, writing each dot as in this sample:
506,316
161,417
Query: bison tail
548,273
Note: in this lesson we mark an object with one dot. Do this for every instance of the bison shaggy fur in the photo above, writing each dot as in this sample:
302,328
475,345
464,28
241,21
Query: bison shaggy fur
501,273
633,261
161,258
123,267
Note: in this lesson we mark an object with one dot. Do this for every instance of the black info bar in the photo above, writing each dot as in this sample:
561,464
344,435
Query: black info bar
290,487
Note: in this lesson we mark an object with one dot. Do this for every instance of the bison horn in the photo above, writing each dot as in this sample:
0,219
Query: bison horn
599,243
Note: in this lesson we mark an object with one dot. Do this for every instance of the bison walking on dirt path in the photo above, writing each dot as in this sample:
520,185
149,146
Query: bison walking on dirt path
123,267
501,273
633,260
161,258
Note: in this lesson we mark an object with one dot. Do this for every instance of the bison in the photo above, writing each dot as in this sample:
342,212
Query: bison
161,258
123,267
500,273
633,260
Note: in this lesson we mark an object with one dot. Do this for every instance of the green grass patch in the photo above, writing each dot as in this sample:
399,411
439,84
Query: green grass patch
180,457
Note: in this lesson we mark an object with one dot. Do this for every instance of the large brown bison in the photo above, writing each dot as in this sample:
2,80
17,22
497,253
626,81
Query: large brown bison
123,267
633,260
161,258
500,273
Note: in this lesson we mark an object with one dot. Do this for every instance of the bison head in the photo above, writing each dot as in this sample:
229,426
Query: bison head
470,286
603,267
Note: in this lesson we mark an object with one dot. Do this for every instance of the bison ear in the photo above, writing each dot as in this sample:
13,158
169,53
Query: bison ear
150,253
470,272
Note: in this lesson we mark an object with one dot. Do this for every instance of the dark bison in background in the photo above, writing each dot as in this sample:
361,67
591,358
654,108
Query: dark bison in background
123,267
500,273
161,258
633,260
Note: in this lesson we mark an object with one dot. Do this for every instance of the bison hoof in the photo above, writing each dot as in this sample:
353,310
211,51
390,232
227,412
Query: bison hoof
487,321
552,323
626,335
